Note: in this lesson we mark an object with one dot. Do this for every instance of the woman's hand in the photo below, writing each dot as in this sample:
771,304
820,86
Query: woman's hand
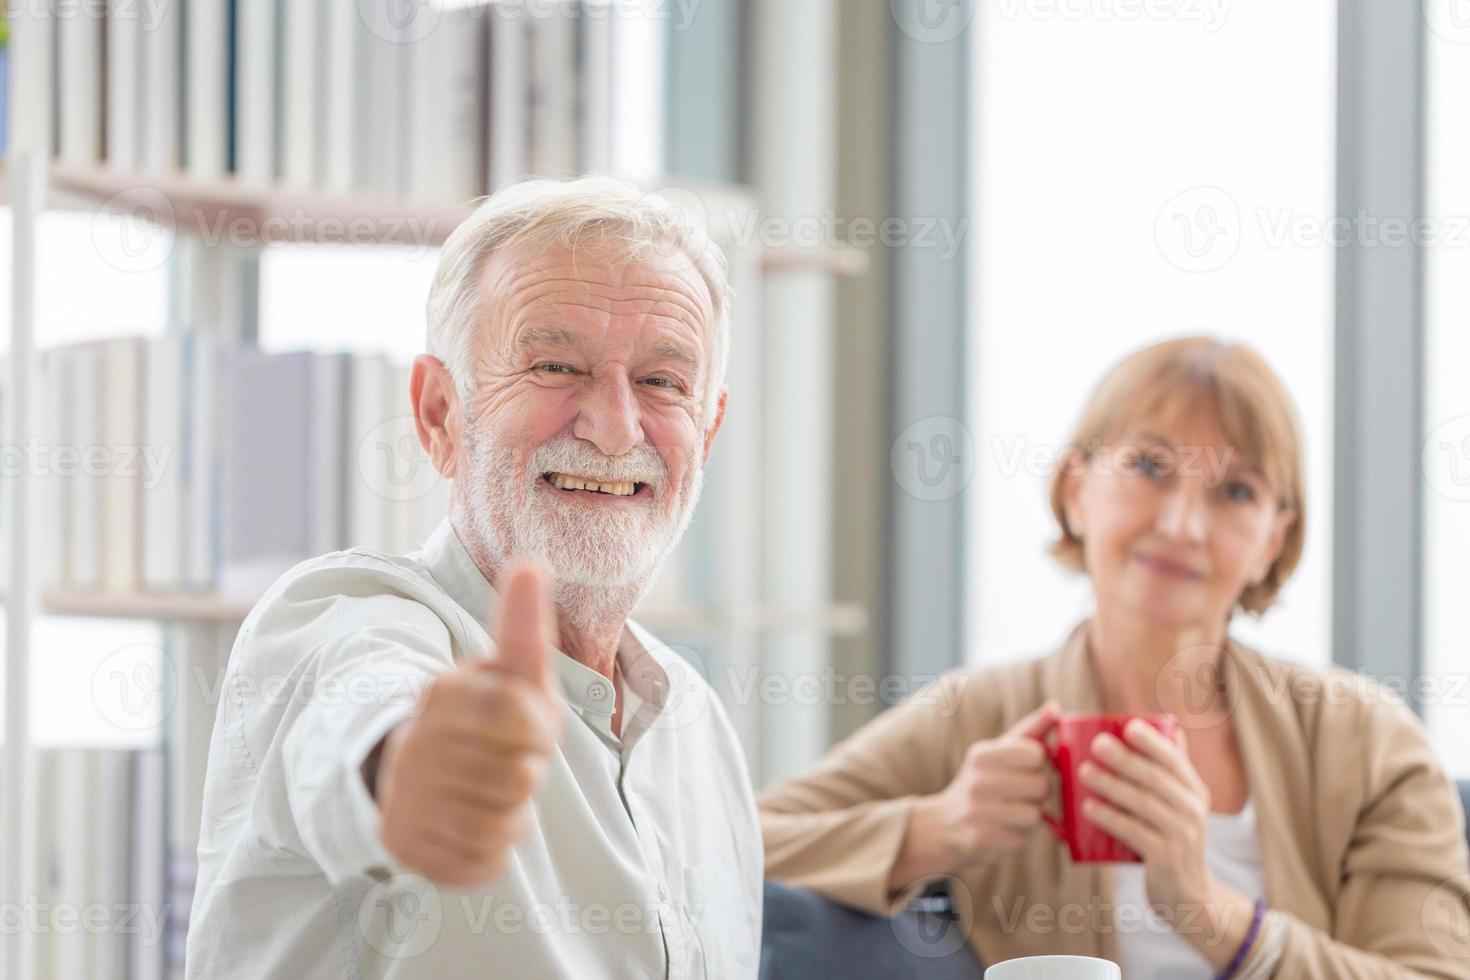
1157,804
989,807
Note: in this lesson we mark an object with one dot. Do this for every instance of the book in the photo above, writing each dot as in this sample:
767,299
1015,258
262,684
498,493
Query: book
337,88
507,156
161,97
256,77
121,445
124,88
300,43
266,468
79,49
554,151
447,83
201,460
163,483
85,433
32,72
207,89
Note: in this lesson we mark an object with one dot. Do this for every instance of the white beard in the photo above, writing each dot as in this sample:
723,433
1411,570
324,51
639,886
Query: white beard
601,560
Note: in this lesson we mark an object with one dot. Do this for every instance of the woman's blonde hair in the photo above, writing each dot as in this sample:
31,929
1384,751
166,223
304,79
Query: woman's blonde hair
1189,377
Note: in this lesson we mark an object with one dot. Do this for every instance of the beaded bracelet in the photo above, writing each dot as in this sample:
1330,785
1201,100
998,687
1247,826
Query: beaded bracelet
1245,947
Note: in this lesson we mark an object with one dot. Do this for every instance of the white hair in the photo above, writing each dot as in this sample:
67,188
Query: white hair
610,215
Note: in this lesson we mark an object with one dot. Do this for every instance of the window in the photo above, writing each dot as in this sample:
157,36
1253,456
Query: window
1447,395
1138,179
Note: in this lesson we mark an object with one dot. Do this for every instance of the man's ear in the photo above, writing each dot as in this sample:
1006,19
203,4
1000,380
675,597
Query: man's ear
435,412
709,434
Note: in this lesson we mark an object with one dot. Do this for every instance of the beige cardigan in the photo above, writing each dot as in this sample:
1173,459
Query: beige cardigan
1361,832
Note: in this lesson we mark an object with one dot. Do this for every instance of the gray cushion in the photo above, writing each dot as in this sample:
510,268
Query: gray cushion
807,936
1465,802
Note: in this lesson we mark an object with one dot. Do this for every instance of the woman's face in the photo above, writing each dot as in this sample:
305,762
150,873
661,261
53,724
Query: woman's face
1174,522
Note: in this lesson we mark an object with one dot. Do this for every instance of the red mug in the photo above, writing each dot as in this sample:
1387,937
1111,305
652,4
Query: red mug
1074,735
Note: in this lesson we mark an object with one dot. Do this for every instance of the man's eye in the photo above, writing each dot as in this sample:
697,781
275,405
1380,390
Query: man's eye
662,382
553,368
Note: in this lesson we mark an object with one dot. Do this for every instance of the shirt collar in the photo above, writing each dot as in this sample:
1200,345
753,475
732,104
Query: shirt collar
639,654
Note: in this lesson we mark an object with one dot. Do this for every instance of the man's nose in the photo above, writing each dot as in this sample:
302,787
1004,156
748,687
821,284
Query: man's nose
1185,513
607,416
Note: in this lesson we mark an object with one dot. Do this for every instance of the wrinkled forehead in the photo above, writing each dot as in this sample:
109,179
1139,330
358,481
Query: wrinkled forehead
652,287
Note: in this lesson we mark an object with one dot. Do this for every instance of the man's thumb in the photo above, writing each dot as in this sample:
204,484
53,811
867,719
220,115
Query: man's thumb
527,624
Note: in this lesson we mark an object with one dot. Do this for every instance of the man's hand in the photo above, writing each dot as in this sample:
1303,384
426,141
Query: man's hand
456,780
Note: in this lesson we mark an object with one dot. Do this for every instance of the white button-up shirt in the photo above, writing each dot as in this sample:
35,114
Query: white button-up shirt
645,855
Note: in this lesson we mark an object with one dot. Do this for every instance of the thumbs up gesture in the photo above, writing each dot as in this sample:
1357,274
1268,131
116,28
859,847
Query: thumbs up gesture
456,780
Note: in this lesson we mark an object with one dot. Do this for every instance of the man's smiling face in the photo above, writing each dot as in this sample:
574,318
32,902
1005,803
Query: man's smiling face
585,436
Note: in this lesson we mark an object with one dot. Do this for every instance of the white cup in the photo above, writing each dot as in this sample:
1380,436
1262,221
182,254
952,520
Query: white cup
1055,968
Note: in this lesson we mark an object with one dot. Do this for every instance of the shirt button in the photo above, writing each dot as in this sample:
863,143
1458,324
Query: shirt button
663,891
597,691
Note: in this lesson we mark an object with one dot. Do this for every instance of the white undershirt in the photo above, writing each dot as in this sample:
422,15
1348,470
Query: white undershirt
1148,948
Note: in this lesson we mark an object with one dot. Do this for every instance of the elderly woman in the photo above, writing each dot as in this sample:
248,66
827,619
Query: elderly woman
1297,826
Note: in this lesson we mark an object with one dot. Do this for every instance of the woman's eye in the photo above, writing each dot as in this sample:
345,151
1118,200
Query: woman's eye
1240,492
1148,464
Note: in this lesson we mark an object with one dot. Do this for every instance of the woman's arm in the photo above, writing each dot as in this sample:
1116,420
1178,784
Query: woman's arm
921,792
1403,908
839,828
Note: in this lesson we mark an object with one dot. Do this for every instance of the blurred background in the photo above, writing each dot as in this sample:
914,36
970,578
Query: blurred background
945,219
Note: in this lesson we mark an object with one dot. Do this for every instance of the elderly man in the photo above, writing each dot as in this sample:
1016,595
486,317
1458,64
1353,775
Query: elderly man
390,793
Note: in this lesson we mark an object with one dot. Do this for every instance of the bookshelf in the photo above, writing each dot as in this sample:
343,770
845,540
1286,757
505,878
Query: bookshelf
213,287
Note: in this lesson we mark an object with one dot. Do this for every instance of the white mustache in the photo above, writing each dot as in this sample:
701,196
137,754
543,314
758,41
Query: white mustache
573,456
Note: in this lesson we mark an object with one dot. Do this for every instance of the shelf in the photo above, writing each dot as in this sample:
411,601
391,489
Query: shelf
842,619
226,211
